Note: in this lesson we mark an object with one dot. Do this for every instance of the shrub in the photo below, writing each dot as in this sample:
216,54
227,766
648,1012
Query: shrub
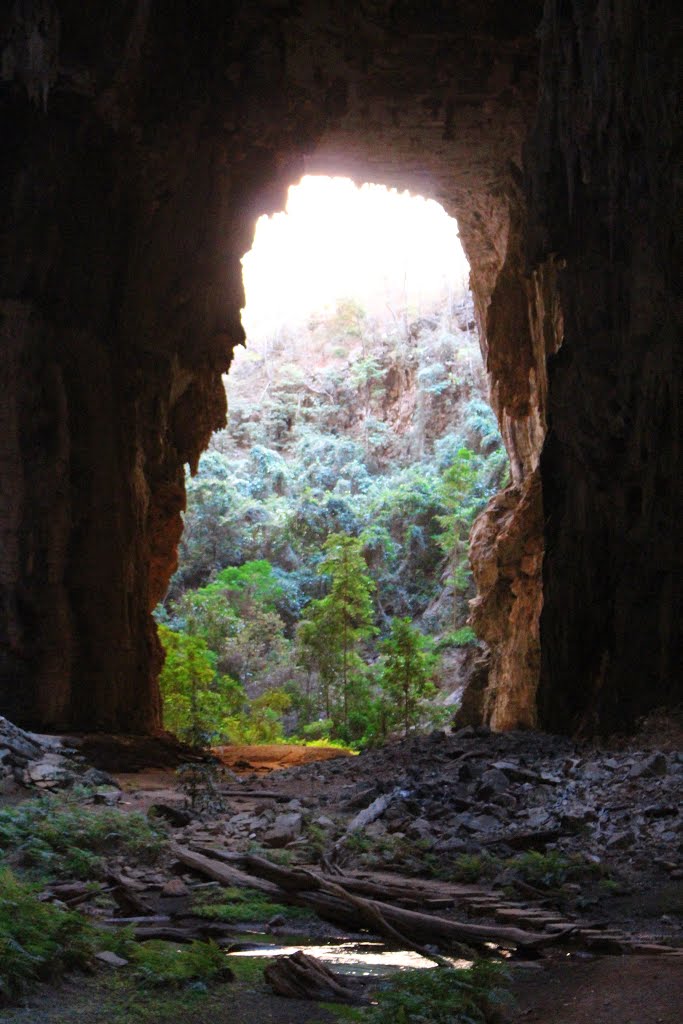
464,637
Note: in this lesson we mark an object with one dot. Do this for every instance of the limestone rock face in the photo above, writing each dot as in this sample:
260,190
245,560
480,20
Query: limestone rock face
139,144
506,550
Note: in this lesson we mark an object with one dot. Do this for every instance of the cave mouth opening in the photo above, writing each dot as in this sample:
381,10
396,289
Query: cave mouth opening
357,409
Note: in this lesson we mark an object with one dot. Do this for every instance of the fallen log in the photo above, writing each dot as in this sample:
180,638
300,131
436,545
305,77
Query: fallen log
144,919
370,813
221,872
316,891
300,976
181,932
304,882
371,913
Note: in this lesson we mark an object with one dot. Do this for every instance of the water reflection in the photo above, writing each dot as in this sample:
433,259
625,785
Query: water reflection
360,959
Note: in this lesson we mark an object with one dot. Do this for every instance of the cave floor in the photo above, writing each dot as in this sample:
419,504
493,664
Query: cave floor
605,823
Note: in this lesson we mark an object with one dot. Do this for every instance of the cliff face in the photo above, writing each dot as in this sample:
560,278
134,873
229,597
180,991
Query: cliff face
602,177
140,143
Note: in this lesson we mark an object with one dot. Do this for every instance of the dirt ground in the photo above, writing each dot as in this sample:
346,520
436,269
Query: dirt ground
273,757
605,990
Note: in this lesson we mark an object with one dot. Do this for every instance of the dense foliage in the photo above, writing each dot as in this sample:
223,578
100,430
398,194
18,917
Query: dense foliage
365,441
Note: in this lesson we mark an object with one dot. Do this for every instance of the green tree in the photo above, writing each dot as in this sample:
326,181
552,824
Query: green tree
253,646
406,677
335,625
253,583
262,722
195,697
235,617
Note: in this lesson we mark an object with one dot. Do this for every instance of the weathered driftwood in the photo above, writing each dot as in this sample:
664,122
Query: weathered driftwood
333,900
370,813
300,976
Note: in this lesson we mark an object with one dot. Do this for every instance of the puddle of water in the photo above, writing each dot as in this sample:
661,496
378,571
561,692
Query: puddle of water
360,959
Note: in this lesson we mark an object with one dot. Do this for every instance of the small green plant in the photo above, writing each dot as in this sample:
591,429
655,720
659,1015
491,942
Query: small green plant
38,941
199,783
343,1013
610,887
444,995
463,637
356,842
160,963
54,837
318,838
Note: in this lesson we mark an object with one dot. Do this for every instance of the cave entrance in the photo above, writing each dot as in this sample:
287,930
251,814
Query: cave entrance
359,448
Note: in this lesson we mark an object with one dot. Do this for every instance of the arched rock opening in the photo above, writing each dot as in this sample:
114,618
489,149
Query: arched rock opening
140,143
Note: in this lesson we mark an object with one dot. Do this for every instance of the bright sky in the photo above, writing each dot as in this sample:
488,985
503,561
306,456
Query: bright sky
335,240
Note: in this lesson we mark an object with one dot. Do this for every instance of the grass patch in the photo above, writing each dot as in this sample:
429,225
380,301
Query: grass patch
166,963
241,905
282,857
248,969
58,837
444,995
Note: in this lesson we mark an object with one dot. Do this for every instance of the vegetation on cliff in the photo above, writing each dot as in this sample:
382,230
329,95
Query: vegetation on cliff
353,440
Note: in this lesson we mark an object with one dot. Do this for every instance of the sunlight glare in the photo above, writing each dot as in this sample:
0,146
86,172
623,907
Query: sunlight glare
336,240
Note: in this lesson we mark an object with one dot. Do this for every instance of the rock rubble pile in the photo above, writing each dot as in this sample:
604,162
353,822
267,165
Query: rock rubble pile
430,801
44,763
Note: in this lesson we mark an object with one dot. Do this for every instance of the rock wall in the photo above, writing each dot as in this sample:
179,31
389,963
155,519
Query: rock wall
601,166
140,143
